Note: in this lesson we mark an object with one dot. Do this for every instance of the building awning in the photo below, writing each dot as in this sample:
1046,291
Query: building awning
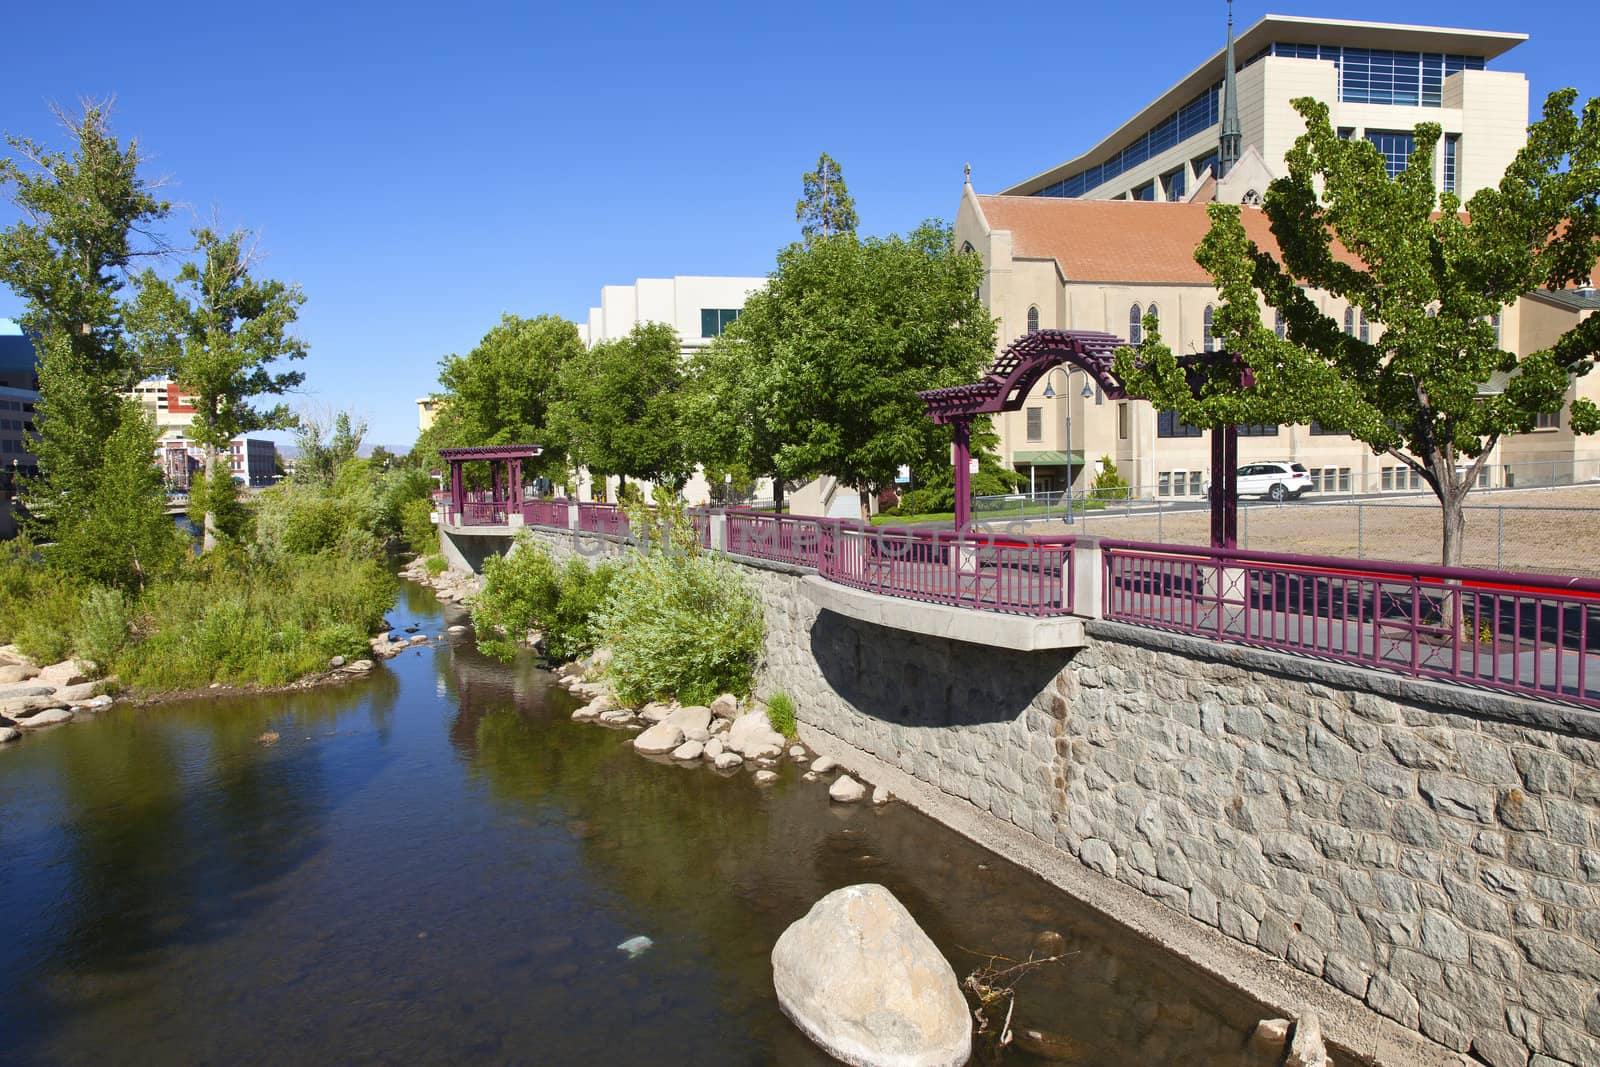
1046,458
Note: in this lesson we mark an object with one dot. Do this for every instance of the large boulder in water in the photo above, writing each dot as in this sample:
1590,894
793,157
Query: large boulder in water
752,736
861,979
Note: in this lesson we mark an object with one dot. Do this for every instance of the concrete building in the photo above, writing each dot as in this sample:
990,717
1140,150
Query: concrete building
164,402
19,396
251,460
427,411
1099,241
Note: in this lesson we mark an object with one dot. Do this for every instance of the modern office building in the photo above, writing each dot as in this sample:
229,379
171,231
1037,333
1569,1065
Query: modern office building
19,395
251,460
1098,242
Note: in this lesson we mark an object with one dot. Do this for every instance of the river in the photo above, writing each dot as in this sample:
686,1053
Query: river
435,865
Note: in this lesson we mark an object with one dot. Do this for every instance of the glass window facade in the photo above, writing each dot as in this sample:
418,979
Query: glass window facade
714,320
1197,116
1452,144
1381,76
1147,191
1174,184
1395,147
1169,425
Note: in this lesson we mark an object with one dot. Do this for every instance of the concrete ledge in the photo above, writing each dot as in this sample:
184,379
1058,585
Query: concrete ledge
1349,1025
1430,695
1020,633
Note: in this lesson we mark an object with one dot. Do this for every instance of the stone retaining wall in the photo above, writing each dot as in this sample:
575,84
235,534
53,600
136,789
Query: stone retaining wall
1437,860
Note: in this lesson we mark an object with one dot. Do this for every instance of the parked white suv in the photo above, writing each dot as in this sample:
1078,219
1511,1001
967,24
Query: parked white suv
1274,480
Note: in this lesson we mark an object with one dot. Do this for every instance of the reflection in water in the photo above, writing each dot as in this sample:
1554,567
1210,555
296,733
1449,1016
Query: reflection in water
434,864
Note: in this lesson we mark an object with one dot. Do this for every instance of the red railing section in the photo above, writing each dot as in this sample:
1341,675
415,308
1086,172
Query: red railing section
485,513
548,513
1013,574
603,519
779,538
1530,634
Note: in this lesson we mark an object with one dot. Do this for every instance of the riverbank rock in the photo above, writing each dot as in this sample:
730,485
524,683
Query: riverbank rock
881,796
47,717
861,980
752,736
1305,1046
336,662
67,672
76,694
661,738
27,707
689,750
846,790
693,721
9,733
712,749
1269,1038
17,672
725,706
824,764
766,777
654,712
797,752
616,717
727,761
360,666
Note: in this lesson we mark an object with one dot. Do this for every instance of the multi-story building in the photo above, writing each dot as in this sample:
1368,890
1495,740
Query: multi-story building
164,402
252,460
19,395
1098,242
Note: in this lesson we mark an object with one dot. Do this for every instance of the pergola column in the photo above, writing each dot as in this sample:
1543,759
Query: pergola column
1225,487
962,450
458,489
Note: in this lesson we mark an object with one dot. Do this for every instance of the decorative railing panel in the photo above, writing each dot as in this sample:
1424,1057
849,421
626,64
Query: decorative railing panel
1529,634
548,513
485,513
606,519
1012,574
780,538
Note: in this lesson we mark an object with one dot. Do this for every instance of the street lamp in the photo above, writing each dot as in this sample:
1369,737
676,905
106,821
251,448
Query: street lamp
1050,394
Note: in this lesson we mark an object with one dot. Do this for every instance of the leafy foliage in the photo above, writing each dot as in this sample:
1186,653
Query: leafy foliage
680,624
780,713
1434,388
620,409
527,589
1109,483
825,208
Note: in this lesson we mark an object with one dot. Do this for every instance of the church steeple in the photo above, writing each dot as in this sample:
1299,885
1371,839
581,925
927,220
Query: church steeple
1228,150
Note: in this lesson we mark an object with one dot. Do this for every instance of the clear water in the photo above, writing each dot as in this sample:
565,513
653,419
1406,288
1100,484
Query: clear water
434,865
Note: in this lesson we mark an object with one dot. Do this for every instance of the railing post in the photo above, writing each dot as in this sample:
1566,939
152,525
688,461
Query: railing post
1086,572
572,515
719,530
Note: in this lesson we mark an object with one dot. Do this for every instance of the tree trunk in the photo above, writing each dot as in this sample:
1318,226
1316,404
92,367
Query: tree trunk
1454,519
208,539
777,493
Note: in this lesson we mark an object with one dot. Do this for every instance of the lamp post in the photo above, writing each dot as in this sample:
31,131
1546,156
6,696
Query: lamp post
1050,394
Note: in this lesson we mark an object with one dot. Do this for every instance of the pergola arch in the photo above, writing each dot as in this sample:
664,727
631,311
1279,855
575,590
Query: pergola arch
1015,371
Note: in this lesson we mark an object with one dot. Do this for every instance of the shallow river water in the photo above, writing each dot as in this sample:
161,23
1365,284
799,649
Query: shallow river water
435,865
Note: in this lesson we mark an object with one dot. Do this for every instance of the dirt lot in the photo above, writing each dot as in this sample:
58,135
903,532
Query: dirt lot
1549,530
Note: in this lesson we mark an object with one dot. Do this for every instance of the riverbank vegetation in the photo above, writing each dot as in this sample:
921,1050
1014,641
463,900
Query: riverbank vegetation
101,572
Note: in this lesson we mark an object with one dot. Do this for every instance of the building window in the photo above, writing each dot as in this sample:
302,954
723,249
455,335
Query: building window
1194,483
1319,430
1346,132
1256,429
1452,143
1350,321
1174,184
1154,314
1279,328
1135,326
1547,421
1395,147
1366,333
1036,424
1495,322
1168,424
1210,338
1164,483
1033,320
1206,163
1381,76
1147,191
714,320
1197,116
1122,421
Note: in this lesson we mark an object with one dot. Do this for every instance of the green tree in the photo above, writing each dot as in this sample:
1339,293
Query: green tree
86,215
825,208
324,443
218,331
841,340
731,419
1434,388
501,392
620,407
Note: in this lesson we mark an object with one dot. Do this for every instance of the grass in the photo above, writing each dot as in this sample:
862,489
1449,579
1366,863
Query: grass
780,714
436,565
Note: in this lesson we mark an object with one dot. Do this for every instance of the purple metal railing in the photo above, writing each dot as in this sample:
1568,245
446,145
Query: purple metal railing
780,538
549,513
700,519
1013,574
485,513
1530,634
603,519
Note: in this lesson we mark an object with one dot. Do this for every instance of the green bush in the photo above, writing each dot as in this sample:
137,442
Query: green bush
105,622
416,525
526,589
436,565
780,713
1109,484
680,624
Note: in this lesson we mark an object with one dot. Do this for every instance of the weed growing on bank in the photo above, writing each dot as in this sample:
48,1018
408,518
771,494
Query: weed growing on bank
780,714
526,589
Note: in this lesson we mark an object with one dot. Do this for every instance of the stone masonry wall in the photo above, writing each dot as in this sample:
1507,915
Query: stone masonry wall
1440,865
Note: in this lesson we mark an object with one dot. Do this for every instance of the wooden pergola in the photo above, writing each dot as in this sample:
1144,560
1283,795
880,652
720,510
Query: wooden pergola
492,506
1014,373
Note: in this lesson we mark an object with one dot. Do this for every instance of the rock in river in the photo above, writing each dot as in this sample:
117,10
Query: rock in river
8,733
861,979
752,736
662,737
47,717
688,750
846,790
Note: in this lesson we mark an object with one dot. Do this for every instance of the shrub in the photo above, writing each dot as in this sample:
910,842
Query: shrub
436,565
104,623
1109,484
416,525
526,588
780,713
680,624
35,598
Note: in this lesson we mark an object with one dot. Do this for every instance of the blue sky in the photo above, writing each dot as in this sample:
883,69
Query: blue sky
420,169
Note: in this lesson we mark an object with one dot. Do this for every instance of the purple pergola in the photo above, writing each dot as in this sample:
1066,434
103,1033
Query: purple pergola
504,494
1018,369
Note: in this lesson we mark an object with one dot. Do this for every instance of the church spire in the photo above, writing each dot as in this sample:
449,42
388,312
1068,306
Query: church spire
1228,150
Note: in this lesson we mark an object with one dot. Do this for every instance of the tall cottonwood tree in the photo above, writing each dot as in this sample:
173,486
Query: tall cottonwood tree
218,331
825,208
87,214
1435,388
